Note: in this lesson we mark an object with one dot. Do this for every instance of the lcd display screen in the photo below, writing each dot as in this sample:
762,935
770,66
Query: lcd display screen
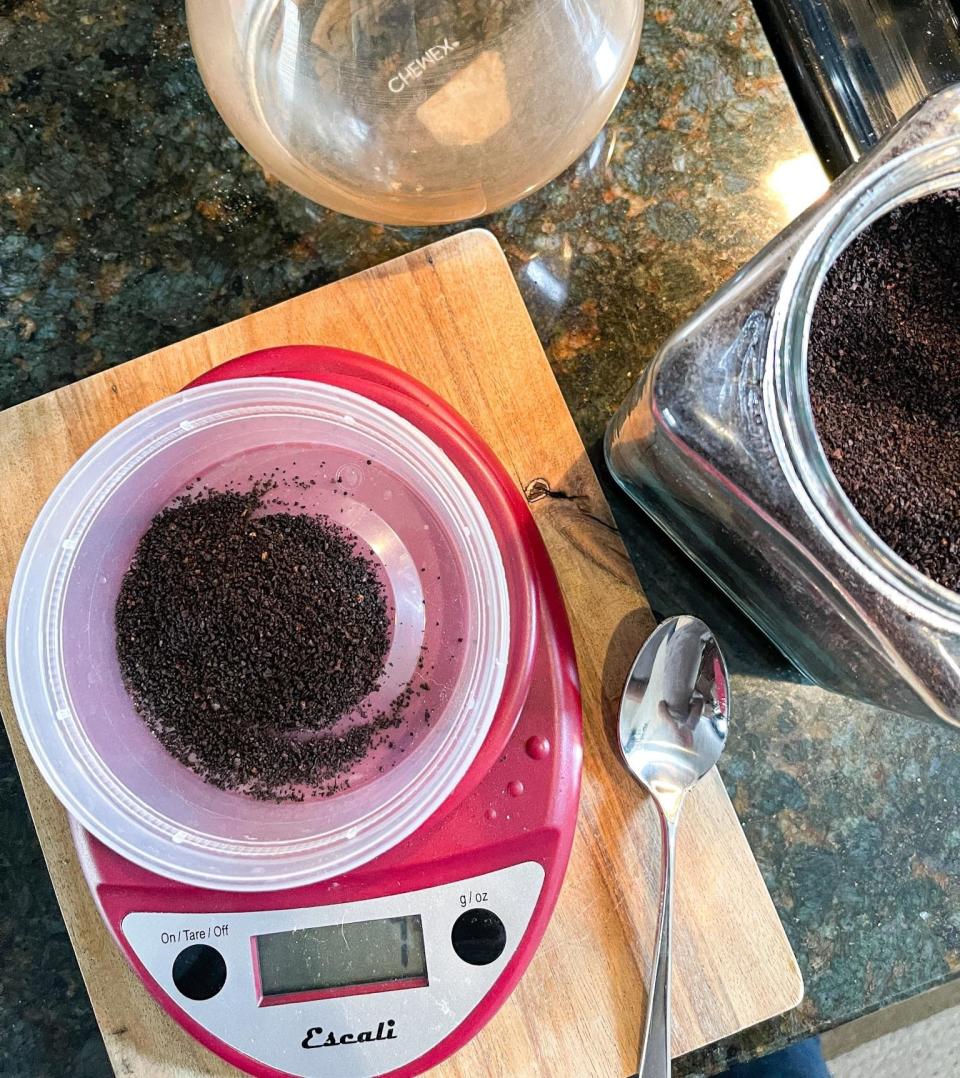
388,952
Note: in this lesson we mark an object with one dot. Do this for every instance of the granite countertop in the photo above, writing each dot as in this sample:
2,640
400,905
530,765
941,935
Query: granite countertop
130,219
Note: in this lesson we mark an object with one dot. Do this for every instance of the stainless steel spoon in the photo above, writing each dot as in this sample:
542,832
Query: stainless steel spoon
673,726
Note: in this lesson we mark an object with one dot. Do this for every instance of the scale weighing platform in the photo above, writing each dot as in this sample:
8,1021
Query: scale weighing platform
387,968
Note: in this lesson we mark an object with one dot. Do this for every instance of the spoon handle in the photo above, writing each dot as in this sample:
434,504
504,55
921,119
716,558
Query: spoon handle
654,1059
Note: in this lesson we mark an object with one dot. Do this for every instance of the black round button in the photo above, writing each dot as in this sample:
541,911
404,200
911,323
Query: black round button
199,971
479,937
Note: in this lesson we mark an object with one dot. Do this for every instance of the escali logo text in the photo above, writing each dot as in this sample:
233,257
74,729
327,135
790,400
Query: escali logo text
316,1039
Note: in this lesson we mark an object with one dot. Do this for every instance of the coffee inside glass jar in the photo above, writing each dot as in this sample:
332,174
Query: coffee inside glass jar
884,377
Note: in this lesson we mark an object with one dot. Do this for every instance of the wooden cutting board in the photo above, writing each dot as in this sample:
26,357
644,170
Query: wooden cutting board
451,316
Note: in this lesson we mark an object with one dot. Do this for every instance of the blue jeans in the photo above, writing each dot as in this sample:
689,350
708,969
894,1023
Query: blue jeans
803,1060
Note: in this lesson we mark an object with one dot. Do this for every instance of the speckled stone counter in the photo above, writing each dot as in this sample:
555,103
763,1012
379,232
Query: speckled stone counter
130,218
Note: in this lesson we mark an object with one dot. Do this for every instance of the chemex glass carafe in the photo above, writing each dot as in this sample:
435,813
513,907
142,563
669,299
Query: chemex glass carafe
415,111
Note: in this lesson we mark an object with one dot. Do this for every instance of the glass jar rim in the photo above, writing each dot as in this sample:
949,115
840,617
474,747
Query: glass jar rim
907,177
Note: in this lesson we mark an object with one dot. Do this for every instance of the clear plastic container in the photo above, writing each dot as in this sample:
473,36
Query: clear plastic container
717,443
415,112
409,503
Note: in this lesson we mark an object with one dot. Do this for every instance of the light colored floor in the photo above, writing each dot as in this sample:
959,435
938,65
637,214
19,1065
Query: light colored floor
918,1038
929,1048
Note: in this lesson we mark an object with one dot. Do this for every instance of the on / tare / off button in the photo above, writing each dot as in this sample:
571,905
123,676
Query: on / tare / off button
479,937
199,971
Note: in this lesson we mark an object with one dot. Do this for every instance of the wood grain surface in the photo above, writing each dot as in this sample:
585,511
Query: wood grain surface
451,315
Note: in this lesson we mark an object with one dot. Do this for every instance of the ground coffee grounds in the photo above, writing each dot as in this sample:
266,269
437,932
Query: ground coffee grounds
884,359
243,635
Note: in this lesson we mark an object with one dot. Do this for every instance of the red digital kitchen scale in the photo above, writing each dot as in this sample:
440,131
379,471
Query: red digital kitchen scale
391,966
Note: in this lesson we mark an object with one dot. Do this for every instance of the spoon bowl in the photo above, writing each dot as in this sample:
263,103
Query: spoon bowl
673,713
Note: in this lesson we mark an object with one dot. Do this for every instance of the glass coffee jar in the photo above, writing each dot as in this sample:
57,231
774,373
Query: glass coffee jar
717,443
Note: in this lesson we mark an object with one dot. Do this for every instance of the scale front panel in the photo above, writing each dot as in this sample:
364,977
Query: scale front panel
354,990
